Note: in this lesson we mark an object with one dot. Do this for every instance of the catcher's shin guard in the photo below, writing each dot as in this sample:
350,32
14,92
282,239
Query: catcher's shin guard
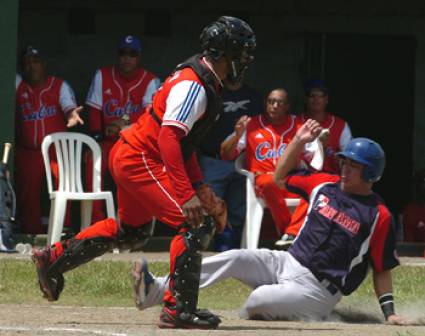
134,238
80,251
76,252
185,280
198,239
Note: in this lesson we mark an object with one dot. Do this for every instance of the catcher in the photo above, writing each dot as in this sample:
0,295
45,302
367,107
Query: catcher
157,174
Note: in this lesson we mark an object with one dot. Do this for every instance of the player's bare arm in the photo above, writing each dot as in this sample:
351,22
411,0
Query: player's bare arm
228,147
74,117
382,282
289,160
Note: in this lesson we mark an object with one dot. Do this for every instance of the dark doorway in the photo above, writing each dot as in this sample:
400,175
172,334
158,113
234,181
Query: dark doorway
371,81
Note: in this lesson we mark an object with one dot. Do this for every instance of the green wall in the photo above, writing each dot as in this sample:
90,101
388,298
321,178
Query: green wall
8,43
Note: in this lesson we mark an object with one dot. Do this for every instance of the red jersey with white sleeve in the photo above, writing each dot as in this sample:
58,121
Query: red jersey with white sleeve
112,96
178,104
264,143
340,136
41,110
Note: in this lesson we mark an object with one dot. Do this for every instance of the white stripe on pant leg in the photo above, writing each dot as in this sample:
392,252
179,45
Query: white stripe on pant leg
160,185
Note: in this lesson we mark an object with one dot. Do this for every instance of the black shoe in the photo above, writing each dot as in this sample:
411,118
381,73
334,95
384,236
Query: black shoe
50,285
201,319
285,242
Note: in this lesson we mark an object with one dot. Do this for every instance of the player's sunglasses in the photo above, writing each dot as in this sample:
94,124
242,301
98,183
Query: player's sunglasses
279,102
128,52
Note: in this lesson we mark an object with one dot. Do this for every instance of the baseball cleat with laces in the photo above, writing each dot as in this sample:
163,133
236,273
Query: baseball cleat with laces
142,281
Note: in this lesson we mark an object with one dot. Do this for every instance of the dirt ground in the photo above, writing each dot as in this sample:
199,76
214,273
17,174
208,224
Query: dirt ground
56,320
25,320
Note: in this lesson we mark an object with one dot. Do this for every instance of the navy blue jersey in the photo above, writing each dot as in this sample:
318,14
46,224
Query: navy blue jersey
245,101
343,234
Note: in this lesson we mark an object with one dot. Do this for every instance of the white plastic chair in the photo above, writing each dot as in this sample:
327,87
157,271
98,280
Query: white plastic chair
254,207
69,150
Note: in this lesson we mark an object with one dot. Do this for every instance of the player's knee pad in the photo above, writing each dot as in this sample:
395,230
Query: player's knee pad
134,238
186,281
198,239
80,251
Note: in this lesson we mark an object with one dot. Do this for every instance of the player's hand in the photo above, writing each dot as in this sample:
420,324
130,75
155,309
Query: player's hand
309,131
397,320
74,117
114,128
193,211
241,124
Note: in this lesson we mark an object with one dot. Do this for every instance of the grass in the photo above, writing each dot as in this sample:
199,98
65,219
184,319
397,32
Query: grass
107,283
409,297
408,286
103,283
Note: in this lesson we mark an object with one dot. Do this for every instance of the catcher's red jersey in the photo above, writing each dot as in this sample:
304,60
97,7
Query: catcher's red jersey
179,102
41,110
340,135
114,96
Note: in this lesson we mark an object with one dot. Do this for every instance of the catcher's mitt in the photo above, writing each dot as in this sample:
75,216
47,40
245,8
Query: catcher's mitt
213,205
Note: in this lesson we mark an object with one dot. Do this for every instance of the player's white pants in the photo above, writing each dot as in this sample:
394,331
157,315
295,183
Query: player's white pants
283,289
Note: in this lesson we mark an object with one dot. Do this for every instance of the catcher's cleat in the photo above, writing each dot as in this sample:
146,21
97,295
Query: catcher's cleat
142,281
50,284
201,319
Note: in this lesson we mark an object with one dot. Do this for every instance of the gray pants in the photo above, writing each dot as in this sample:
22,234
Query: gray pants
283,289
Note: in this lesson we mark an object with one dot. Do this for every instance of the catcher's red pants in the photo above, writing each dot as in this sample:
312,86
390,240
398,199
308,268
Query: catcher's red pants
274,197
29,177
144,191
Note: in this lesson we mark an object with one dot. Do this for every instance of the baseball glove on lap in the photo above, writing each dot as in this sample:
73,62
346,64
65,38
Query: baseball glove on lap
213,205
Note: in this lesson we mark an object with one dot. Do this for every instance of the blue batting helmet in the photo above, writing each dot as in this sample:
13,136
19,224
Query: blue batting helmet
368,153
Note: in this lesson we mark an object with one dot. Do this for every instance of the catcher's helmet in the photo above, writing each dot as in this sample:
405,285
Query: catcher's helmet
368,153
233,38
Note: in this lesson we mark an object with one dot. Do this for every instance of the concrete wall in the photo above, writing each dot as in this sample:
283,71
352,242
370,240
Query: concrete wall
281,27
8,38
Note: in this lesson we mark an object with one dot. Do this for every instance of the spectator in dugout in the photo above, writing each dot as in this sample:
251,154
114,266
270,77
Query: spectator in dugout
44,104
118,95
264,138
414,213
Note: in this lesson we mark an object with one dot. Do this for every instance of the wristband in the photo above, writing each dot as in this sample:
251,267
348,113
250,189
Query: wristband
386,301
